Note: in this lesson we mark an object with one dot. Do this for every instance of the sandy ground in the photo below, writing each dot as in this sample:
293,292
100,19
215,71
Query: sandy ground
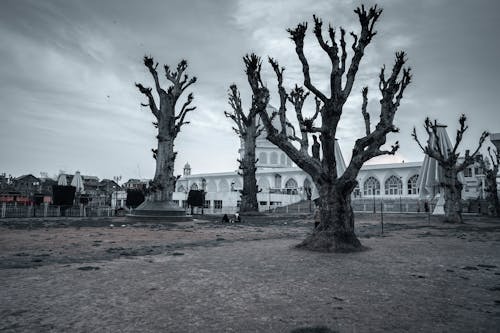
85,276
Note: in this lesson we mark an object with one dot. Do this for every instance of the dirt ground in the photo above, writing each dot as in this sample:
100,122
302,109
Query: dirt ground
122,275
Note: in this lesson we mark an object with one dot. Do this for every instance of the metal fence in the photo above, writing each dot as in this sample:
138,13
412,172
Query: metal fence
12,210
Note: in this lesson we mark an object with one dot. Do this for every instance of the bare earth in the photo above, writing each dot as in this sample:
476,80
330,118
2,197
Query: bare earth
85,276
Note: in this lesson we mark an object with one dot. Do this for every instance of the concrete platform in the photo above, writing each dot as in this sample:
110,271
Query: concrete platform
160,211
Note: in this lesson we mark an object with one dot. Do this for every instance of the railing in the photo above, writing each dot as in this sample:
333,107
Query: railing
13,211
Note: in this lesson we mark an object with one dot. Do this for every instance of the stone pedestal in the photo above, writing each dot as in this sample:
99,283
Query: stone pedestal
160,211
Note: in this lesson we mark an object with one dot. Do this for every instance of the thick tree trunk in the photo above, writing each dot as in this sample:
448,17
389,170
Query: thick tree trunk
164,180
249,192
452,197
335,232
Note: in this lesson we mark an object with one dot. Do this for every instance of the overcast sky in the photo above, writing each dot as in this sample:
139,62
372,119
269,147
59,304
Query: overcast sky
68,100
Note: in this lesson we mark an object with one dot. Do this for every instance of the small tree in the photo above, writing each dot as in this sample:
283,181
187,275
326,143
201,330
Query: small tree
448,161
168,122
491,181
335,231
248,130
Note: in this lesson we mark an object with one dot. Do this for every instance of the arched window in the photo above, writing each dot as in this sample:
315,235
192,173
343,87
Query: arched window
291,186
181,188
203,184
412,185
274,158
307,188
262,158
291,183
288,161
194,187
393,186
283,159
223,186
371,186
277,181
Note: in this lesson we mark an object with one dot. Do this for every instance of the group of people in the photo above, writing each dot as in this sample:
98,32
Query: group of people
237,219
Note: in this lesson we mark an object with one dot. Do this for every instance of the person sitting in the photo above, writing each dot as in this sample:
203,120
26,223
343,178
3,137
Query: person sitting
237,218
225,219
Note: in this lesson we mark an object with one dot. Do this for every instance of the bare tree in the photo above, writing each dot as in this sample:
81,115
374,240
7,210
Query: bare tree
335,231
490,171
448,161
248,130
168,122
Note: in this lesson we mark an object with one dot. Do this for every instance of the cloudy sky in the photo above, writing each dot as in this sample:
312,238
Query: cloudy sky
68,70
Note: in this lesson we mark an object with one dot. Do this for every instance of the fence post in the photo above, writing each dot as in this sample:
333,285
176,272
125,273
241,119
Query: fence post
382,216
4,208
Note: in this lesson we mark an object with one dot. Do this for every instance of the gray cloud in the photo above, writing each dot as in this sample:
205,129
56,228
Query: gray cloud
68,70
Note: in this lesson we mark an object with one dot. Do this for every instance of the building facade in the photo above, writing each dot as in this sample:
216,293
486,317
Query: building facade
281,183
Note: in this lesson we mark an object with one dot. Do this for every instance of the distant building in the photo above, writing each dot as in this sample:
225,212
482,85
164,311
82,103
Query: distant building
136,184
281,183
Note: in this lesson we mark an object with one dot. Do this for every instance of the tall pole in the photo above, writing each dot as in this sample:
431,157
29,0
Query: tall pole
374,209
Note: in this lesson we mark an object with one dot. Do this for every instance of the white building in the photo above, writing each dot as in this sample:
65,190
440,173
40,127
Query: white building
281,183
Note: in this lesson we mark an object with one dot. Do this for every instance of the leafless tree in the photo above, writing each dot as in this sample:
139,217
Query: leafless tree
335,231
449,162
168,122
248,130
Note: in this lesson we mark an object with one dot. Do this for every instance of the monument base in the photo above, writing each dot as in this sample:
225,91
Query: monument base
160,211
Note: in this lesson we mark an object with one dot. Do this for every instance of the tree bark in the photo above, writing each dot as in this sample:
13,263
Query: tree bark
452,196
335,232
249,192
164,180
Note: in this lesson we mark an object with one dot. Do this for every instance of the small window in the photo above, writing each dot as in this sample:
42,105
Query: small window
393,186
217,204
263,203
468,172
206,204
371,187
412,185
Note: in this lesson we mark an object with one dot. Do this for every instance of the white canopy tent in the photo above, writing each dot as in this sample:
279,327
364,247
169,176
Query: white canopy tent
61,180
77,182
